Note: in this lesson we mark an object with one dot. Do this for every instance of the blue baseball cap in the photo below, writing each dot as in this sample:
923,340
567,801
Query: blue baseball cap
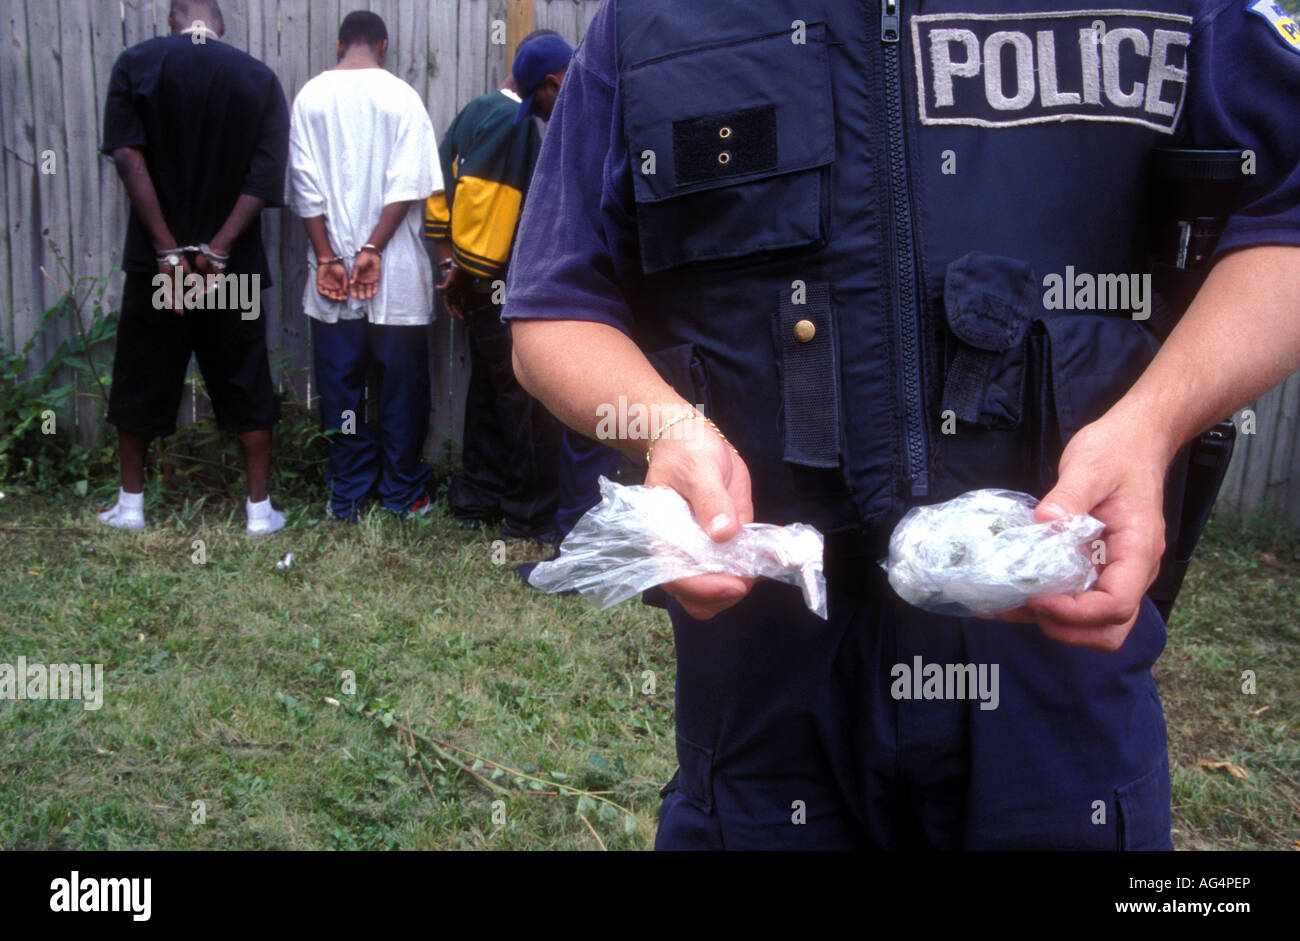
539,57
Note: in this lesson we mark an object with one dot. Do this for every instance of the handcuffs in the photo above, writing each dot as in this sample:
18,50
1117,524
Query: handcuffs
339,259
173,257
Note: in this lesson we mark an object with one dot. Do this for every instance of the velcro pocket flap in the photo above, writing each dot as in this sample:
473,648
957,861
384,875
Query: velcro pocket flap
990,302
810,392
756,107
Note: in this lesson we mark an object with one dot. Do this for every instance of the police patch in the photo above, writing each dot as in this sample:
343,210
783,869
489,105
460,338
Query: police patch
1280,20
1010,69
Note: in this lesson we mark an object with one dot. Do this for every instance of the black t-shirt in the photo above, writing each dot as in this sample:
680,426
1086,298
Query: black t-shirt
213,124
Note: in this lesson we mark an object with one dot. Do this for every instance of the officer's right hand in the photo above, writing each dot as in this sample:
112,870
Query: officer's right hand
1114,470
714,480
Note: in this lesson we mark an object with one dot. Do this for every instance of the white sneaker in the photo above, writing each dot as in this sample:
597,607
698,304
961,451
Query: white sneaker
121,518
127,513
263,518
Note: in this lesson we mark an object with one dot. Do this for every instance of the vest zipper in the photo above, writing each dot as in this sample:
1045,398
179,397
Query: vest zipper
904,255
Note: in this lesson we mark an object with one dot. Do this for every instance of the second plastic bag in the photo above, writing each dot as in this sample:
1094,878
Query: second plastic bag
983,552
639,537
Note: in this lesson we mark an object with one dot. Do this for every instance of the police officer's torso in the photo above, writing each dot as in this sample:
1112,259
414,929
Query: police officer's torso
810,180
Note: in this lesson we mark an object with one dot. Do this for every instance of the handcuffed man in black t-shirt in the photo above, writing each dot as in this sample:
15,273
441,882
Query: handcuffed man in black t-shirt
200,135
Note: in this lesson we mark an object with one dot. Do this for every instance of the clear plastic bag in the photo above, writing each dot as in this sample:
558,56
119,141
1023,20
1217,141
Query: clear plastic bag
983,552
639,537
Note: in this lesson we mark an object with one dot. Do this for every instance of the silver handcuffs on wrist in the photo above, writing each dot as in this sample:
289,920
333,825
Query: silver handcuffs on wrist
339,259
173,257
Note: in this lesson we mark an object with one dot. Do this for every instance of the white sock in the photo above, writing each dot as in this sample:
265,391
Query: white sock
127,513
262,517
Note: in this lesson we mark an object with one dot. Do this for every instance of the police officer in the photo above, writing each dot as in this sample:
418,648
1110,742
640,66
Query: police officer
895,250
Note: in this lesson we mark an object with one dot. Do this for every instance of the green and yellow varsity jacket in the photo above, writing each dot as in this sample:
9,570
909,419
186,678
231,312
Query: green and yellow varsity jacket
487,161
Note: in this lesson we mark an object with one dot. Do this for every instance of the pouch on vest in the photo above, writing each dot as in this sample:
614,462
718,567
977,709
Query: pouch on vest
737,168
1012,364
1082,364
989,302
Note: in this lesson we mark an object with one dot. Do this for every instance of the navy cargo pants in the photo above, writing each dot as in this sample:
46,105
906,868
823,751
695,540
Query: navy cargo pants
794,733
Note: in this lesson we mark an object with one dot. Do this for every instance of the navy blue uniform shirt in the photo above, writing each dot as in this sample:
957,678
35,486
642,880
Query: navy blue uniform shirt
213,124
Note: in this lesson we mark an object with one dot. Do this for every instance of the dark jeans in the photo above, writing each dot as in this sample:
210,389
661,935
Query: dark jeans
512,444
584,463
389,456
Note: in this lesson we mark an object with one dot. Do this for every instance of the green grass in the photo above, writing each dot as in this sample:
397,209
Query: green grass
1238,612
218,676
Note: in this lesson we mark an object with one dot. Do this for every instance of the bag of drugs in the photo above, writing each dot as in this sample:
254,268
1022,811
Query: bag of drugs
983,552
639,537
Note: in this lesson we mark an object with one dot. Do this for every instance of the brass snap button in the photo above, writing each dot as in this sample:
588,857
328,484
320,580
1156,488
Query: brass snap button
724,158
724,132
804,331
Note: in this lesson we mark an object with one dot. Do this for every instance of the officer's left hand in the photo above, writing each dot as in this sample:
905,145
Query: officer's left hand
1114,470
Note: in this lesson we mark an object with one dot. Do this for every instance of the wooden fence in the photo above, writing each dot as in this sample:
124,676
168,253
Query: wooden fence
1264,476
55,61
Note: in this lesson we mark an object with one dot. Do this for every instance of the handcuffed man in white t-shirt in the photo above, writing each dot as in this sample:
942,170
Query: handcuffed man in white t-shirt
362,160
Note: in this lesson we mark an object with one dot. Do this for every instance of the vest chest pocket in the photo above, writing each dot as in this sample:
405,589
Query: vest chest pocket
730,145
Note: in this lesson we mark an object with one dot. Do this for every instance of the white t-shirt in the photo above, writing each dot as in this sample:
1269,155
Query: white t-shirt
359,140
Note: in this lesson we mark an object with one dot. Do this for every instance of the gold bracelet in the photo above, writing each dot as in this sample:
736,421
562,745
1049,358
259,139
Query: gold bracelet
649,453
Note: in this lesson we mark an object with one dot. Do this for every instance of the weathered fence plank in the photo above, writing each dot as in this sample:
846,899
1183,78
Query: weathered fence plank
498,69
412,63
6,298
107,45
561,16
49,136
80,168
21,202
521,19
1265,473
144,19
293,65
238,27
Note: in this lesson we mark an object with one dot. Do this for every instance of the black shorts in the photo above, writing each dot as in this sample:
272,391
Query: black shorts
153,354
